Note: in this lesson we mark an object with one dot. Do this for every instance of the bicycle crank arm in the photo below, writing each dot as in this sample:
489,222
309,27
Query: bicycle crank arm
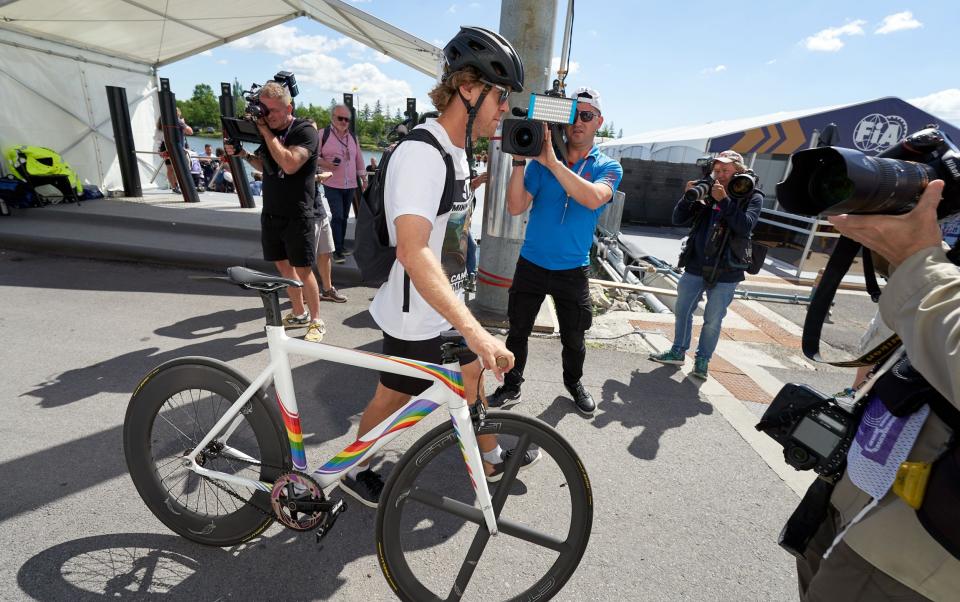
331,518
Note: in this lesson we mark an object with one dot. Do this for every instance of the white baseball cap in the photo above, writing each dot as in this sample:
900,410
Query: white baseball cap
590,96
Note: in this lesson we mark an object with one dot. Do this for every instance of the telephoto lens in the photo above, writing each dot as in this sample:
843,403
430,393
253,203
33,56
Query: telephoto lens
835,180
699,190
741,185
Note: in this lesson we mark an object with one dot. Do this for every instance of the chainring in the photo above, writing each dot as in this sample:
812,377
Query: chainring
290,488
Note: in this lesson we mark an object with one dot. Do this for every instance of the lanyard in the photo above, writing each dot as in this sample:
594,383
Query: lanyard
566,202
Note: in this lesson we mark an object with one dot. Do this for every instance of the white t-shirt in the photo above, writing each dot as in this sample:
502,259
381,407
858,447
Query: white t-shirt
414,186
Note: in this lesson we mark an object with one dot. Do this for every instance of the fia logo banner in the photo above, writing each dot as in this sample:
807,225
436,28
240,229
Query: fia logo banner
876,133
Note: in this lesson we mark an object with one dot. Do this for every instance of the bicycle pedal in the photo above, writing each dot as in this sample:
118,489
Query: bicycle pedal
327,524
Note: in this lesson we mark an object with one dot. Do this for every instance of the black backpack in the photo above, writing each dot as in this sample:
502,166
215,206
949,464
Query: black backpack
374,254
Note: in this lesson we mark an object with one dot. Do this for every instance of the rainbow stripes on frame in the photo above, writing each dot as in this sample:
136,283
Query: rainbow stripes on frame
412,414
292,422
452,379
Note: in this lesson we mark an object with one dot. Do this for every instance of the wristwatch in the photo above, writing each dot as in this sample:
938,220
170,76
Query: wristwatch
519,162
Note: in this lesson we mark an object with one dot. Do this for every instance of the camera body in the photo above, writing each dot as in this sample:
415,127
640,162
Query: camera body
835,180
236,131
741,186
814,429
525,137
700,190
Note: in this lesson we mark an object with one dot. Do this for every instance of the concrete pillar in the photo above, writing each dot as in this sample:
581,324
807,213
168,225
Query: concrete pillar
529,25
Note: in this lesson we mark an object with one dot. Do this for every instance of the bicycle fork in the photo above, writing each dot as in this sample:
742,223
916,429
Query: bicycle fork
462,419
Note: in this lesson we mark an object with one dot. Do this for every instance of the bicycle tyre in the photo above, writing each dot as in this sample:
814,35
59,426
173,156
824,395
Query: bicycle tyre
397,493
260,435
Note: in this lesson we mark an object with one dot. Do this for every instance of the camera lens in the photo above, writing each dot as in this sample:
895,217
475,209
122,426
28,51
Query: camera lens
741,185
842,180
522,137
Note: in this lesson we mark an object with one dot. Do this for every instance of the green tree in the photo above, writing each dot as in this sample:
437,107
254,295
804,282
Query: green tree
239,104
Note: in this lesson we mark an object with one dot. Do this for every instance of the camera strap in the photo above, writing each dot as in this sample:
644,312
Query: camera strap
840,261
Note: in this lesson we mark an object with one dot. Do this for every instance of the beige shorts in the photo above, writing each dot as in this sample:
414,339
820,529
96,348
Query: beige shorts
324,236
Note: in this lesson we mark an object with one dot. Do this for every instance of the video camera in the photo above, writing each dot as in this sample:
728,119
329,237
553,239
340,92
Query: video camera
835,180
524,137
244,129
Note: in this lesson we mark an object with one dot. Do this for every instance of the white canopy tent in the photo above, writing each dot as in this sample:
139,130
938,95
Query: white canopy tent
57,56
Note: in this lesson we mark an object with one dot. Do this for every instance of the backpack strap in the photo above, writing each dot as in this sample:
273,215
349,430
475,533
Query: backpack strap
326,136
424,135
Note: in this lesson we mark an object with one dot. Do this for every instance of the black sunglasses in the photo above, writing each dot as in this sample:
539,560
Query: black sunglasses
339,118
586,116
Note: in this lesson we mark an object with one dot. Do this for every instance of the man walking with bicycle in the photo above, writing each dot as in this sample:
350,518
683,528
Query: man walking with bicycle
422,297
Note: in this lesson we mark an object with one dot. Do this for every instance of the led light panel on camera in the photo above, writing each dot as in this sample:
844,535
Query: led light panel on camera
552,109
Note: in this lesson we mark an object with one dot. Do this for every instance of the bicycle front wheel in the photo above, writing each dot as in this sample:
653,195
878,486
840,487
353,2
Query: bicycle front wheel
169,414
432,542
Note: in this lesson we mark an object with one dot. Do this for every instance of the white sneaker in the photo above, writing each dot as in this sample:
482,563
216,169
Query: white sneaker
315,332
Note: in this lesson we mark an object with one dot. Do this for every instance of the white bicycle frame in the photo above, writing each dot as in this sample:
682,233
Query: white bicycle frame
447,389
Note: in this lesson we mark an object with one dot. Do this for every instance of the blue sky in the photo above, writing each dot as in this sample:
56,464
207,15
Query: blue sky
656,64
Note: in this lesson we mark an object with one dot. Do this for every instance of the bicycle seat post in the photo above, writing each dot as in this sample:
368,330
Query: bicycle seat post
271,305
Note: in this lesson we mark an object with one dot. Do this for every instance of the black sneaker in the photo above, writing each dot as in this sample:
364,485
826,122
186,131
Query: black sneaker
366,487
530,457
503,395
339,258
582,398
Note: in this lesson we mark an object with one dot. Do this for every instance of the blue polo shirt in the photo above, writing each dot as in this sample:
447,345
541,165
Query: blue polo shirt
559,239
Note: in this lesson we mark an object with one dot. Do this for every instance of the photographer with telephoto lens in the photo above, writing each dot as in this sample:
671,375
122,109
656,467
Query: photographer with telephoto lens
288,160
880,522
723,209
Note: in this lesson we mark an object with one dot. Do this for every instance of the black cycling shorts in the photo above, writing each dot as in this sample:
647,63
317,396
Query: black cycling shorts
290,238
426,351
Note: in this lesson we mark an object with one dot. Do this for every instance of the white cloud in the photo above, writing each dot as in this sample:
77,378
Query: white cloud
944,104
771,61
572,67
593,33
287,40
475,5
222,62
717,69
898,22
206,53
329,75
828,40
452,9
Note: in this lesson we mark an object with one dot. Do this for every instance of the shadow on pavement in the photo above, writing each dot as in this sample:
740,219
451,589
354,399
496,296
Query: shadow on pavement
656,408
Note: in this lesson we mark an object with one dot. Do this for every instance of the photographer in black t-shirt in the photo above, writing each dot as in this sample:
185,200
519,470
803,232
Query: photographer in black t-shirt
288,161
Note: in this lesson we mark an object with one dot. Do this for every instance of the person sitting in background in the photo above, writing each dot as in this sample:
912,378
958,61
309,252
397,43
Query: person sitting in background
196,172
256,186
372,167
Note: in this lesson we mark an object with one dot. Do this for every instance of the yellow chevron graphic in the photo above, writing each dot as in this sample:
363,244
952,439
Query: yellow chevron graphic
795,137
750,139
773,141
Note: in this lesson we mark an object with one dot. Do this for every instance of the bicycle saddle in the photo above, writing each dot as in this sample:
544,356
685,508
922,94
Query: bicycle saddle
248,278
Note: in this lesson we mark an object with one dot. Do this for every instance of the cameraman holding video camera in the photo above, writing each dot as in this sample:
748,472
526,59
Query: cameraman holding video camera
889,549
715,256
566,199
288,160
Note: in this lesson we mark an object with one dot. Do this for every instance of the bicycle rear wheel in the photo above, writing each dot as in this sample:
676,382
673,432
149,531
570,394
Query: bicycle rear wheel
432,542
169,414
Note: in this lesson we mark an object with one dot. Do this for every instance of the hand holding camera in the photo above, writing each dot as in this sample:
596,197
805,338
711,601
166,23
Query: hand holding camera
897,237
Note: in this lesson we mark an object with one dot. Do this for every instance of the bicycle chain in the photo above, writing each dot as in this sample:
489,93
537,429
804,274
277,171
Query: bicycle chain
235,495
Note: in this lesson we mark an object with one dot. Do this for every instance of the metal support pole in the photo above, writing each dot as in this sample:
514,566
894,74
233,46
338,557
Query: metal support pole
237,168
529,25
173,141
348,100
123,135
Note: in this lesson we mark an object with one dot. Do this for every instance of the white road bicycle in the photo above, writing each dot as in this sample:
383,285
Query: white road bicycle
217,462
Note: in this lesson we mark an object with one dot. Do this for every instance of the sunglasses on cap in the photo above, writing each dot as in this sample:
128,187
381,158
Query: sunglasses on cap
586,116
504,92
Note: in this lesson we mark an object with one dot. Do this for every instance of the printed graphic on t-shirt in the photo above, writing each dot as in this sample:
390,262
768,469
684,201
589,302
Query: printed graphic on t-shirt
453,254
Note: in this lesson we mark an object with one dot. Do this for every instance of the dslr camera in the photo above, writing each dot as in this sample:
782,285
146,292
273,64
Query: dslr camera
244,129
524,137
814,429
835,180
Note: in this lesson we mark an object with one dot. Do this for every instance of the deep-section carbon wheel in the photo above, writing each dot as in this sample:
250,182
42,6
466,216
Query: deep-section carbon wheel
169,413
432,542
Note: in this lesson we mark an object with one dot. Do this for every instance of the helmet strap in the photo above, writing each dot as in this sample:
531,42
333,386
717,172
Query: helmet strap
471,115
